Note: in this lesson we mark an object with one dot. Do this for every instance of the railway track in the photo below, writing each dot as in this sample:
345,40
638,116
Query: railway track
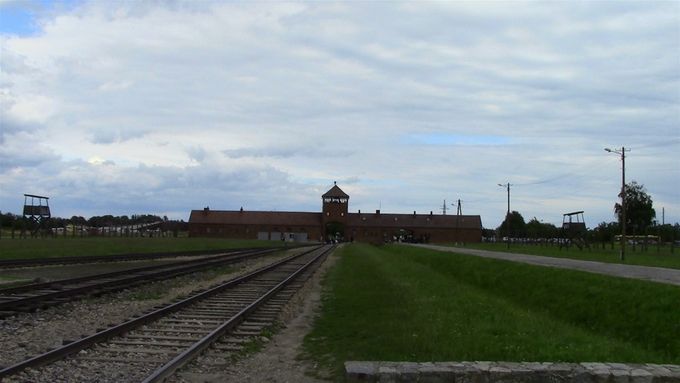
30,297
34,262
152,347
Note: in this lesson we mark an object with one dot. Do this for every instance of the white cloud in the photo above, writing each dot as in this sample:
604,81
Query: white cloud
176,105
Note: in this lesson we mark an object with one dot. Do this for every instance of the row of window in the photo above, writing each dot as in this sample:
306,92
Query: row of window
335,199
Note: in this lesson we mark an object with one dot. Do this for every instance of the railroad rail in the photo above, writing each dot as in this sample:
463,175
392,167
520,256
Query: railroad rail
33,262
40,295
152,347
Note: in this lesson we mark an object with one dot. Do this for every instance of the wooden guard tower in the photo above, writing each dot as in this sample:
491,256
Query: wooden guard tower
36,212
574,230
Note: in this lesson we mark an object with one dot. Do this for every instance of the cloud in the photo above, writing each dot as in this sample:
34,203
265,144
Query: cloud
196,153
295,150
112,86
108,135
23,152
188,103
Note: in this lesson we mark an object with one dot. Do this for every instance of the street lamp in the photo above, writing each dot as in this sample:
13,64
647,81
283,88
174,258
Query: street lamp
507,216
622,218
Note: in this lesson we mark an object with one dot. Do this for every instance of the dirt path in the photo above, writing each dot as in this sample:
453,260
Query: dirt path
655,274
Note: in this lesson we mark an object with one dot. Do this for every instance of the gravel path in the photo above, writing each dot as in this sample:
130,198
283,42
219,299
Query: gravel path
655,274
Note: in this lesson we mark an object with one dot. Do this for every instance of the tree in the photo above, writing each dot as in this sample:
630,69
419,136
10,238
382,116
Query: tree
639,211
668,232
78,220
8,219
513,225
538,229
605,231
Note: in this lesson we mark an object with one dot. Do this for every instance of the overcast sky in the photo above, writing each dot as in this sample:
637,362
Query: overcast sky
132,107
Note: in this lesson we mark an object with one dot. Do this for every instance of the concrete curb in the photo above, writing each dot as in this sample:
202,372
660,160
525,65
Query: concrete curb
509,372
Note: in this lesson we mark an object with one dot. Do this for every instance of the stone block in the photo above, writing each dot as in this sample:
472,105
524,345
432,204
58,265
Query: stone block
435,373
620,366
640,375
499,373
620,376
595,366
509,372
388,374
601,375
408,372
361,371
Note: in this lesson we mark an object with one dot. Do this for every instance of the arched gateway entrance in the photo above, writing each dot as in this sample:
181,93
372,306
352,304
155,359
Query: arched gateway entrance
335,231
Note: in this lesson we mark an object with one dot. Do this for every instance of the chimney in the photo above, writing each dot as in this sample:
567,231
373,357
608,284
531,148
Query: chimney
414,213
359,211
430,212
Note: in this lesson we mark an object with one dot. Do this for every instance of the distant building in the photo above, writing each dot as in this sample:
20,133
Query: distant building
335,222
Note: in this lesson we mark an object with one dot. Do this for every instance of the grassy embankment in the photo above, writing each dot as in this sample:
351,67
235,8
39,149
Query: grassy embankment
68,247
402,303
650,257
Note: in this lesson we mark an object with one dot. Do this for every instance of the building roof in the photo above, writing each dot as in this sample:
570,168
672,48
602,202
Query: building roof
236,217
335,192
405,221
358,220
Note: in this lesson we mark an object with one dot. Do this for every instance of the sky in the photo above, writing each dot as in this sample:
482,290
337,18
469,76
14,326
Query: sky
161,107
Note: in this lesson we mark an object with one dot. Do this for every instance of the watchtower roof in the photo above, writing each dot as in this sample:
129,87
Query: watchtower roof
335,192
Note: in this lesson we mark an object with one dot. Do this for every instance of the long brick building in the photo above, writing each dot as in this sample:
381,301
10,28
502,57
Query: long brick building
335,222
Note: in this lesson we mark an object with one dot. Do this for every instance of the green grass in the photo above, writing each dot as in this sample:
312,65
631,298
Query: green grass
7,281
662,258
402,303
67,247
256,343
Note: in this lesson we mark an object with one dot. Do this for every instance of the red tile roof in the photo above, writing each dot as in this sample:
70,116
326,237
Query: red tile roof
283,218
236,217
335,192
410,220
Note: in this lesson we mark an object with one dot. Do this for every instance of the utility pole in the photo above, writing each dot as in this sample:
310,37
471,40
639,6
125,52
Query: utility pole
622,152
444,207
507,216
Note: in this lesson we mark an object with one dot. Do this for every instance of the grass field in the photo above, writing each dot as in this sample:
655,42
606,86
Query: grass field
67,247
402,303
662,258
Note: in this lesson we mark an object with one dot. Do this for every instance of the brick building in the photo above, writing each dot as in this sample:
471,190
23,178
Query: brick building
335,222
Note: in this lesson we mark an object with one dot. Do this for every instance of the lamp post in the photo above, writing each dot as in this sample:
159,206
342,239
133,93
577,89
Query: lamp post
507,216
622,217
